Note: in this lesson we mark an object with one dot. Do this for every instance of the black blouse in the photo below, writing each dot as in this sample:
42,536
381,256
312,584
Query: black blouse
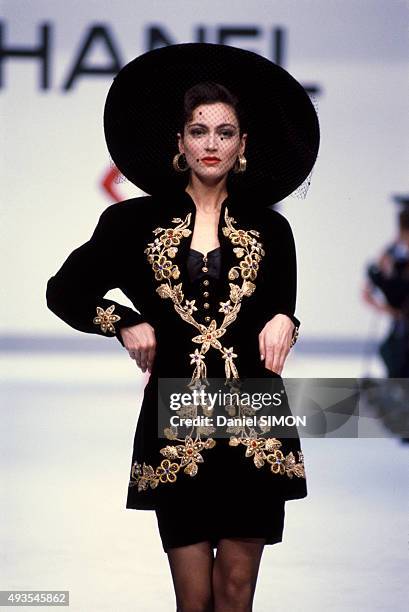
195,264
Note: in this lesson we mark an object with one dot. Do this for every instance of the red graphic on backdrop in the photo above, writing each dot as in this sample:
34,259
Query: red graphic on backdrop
110,182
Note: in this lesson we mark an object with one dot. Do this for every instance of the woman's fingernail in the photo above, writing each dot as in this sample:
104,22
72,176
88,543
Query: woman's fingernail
261,357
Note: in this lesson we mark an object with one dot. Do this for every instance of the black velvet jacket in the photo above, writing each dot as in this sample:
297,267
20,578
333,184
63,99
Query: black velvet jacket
203,327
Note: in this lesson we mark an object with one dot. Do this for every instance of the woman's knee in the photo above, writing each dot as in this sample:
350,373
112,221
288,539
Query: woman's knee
235,573
236,587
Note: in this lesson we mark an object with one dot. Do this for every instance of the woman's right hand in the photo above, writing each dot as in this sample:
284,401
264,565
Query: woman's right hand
140,341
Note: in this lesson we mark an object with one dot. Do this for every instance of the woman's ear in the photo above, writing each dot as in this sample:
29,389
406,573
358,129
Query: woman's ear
243,143
180,143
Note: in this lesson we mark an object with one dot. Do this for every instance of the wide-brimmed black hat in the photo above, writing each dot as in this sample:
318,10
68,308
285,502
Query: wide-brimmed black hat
145,102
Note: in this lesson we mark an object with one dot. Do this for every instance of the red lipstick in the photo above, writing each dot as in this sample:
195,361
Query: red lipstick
210,160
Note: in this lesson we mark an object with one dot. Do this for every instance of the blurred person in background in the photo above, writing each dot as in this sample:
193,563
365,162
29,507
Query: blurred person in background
387,290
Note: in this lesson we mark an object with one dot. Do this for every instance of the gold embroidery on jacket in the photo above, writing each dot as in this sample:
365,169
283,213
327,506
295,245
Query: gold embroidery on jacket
106,319
186,456
164,248
160,253
261,449
268,449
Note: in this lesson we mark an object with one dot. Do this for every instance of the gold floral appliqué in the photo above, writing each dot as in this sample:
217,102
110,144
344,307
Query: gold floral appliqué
105,318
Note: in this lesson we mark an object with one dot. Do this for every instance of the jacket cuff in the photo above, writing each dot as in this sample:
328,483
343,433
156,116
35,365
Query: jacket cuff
109,318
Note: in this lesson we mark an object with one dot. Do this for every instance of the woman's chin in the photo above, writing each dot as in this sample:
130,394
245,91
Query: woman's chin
213,175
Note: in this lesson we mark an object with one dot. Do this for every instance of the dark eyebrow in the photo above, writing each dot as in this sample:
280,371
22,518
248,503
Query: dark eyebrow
221,125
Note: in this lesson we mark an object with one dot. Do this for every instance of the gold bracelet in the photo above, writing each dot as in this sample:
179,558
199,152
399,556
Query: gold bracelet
295,336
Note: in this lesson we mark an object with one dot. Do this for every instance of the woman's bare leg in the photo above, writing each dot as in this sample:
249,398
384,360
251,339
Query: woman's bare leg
191,567
235,573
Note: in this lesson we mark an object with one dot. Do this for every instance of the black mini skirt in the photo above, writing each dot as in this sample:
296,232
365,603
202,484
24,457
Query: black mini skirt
211,520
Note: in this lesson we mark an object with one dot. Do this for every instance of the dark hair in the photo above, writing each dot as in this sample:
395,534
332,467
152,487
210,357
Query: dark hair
404,219
209,92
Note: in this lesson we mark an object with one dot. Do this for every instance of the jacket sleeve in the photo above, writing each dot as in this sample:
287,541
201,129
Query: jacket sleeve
284,264
76,292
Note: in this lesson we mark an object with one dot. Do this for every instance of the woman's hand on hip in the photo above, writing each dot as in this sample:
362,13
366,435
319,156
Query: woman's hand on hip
275,342
140,341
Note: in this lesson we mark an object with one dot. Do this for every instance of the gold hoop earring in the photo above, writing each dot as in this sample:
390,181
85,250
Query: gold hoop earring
241,167
176,163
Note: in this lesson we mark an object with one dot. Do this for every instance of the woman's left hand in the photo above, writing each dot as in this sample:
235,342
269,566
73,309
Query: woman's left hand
275,342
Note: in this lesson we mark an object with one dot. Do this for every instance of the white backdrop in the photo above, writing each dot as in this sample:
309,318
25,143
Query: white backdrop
55,158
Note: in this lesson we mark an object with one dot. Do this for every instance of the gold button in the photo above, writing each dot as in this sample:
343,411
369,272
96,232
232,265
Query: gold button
206,294
206,282
206,305
204,269
207,319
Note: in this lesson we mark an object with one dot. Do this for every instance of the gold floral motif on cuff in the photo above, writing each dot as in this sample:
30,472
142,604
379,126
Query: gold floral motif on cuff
106,319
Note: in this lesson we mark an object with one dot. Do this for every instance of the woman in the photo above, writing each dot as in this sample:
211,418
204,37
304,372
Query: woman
212,272
390,274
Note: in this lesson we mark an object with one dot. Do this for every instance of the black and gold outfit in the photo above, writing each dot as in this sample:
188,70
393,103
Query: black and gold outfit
207,314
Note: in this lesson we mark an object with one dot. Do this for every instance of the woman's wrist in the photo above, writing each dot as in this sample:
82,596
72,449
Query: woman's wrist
296,326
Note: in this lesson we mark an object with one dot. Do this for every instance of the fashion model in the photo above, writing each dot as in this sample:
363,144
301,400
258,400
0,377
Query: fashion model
213,135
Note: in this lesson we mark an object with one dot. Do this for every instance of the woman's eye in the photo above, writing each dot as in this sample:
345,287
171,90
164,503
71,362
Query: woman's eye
199,132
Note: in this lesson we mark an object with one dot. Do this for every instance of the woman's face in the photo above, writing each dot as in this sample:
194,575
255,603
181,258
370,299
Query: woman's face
213,131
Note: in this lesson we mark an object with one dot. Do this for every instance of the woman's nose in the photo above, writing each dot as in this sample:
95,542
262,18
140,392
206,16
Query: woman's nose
211,141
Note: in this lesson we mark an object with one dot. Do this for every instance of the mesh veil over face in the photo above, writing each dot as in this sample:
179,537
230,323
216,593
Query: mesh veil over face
299,193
